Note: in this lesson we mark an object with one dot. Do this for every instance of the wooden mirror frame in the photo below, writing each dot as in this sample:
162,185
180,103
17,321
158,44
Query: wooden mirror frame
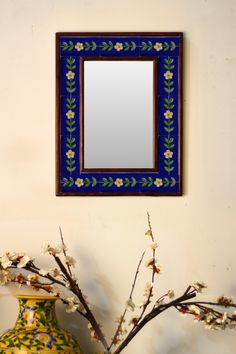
166,176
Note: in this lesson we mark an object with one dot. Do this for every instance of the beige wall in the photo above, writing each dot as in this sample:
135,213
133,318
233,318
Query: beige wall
196,232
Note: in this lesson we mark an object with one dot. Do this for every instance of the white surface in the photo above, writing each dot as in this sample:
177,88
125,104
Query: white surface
196,232
118,114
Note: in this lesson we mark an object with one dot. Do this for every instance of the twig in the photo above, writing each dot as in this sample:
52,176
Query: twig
64,249
155,312
77,291
130,298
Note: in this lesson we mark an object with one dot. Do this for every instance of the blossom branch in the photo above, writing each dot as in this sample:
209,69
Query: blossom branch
64,250
152,314
77,291
128,303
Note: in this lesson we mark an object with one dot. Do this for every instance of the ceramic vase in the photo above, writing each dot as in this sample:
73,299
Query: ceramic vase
36,330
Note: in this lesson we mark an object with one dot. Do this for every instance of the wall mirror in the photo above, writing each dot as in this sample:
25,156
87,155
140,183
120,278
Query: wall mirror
118,113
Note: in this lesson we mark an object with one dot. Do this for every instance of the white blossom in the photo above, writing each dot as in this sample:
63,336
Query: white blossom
130,304
148,289
46,248
6,276
223,318
199,285
70,261
71,307
153,245
5,261
72,304
57,273
194,310
23,261
171,294
45,271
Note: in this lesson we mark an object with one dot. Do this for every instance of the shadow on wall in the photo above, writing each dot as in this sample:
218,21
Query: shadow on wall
181,335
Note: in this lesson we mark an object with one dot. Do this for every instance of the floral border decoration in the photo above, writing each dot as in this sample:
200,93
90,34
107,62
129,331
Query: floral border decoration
167,179
70,115
126,46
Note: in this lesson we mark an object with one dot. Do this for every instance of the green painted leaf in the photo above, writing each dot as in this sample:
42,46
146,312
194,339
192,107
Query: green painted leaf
173,183
168,122
104,46
70,130
133,46
144,46
70,169
127,182
70,123
87,182
169,169
94,46
70,100
94,181
70,162
134,181
104,181
173,45
169,90
169,130
70,90
144,182
166,182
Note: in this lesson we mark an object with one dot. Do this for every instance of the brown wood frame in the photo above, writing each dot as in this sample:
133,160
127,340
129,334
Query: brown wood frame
58,35
155,128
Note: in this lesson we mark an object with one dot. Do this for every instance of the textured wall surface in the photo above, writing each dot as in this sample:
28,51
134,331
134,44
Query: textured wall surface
196,232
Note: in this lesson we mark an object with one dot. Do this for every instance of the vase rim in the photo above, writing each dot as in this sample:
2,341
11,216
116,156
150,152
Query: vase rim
37,297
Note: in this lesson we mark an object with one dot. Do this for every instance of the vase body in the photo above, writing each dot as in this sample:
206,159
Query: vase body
36,330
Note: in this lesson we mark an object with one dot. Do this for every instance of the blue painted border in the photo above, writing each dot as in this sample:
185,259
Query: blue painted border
167,181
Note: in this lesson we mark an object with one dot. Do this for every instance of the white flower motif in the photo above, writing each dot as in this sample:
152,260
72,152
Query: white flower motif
70,114
79,46
158,182
79,182
118,182
118,46
168,154
158,46
70,75
168,75
70,154
168,114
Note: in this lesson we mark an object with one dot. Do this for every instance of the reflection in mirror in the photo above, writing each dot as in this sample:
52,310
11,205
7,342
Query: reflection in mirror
119,114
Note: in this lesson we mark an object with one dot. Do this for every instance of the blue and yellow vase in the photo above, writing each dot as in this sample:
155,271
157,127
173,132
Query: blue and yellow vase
36,330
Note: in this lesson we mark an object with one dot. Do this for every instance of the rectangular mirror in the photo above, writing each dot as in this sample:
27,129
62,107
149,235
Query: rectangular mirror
119,114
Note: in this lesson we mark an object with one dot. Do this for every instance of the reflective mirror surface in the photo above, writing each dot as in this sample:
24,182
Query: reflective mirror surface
118,114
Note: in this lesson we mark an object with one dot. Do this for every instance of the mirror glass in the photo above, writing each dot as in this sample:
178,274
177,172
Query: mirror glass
118,114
